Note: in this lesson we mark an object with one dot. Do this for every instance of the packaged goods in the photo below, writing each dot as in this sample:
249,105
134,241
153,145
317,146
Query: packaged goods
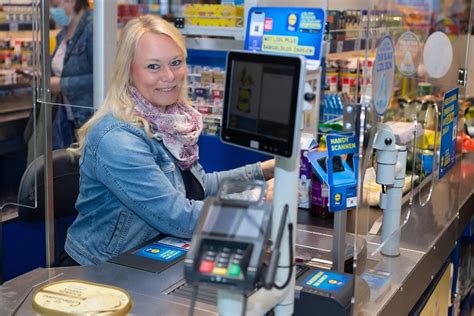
214,15
76,297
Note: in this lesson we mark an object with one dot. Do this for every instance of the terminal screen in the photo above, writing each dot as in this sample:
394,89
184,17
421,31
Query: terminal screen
259,99
234,222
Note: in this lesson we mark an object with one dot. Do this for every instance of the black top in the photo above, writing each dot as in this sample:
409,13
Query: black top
194,190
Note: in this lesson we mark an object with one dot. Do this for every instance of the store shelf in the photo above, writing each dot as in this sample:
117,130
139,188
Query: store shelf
351,45
232,32
358,38
14,108
13,86
16,26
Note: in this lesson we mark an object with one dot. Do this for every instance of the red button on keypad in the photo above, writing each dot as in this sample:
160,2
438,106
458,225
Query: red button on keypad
206,266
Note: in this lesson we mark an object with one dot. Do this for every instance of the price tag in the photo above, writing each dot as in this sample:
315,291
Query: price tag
13,26
357,44
339,46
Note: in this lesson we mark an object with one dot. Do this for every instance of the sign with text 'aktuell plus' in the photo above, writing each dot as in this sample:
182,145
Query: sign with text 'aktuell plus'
297,31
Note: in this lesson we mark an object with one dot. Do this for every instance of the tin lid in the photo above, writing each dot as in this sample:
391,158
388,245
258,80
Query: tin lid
77,297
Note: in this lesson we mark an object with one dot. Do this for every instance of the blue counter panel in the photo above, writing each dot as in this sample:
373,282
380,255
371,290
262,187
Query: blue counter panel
217,156
209,58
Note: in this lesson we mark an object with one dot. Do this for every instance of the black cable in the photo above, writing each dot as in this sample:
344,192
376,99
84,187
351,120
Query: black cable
193,301
290,240
269,279
244,304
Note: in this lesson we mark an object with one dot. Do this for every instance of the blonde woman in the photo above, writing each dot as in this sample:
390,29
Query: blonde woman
139,170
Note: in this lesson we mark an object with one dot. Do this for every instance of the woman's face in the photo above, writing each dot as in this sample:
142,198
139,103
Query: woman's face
158,69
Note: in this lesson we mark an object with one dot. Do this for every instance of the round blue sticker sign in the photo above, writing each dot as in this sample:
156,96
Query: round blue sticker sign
383,73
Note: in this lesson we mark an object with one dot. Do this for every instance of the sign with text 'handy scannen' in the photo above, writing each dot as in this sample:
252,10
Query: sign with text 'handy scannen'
449,122
297,31
337,167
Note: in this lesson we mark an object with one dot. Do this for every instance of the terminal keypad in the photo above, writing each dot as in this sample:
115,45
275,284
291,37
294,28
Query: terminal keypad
222,261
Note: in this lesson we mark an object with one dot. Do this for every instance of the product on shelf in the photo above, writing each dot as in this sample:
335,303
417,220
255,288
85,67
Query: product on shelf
126,12
19,11
16,53
336,21
214,15
7,77
211,124
351,24
206,91
344,75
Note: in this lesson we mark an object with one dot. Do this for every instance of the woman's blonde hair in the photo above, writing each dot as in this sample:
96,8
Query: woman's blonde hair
118,100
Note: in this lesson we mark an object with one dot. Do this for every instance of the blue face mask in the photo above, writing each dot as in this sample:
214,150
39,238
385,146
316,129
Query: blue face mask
59,16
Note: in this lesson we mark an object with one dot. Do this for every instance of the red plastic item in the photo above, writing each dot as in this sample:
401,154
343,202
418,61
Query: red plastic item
464,143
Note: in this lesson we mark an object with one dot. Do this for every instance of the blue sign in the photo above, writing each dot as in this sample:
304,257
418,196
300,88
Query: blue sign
449,122
341,145
160,252
383,72
297,31
342,182
326,280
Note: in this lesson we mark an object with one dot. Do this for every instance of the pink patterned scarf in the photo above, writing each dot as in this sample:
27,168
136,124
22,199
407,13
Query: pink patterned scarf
178,125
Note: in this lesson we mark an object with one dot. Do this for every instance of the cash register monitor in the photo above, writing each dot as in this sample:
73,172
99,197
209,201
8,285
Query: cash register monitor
262,101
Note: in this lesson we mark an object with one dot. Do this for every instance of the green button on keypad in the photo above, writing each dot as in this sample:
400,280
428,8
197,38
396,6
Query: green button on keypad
234,270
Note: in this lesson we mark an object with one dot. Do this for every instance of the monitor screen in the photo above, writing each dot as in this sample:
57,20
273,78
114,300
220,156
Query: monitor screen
261,101
234,222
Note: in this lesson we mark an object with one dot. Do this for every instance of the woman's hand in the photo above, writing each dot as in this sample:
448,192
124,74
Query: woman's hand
269,194
268,168
55,84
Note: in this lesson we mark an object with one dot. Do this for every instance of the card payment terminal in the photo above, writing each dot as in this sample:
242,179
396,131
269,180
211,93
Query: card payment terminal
230,239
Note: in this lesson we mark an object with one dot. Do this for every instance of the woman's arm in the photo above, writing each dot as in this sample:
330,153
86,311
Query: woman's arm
245,173
126,166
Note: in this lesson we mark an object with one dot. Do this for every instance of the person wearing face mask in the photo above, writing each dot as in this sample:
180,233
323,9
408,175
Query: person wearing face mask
139,169
71,75
72,61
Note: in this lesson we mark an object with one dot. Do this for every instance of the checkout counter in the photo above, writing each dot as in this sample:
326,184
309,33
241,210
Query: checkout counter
425,246
426,242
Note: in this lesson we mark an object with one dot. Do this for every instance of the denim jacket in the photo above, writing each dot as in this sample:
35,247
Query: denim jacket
131,190
76,78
